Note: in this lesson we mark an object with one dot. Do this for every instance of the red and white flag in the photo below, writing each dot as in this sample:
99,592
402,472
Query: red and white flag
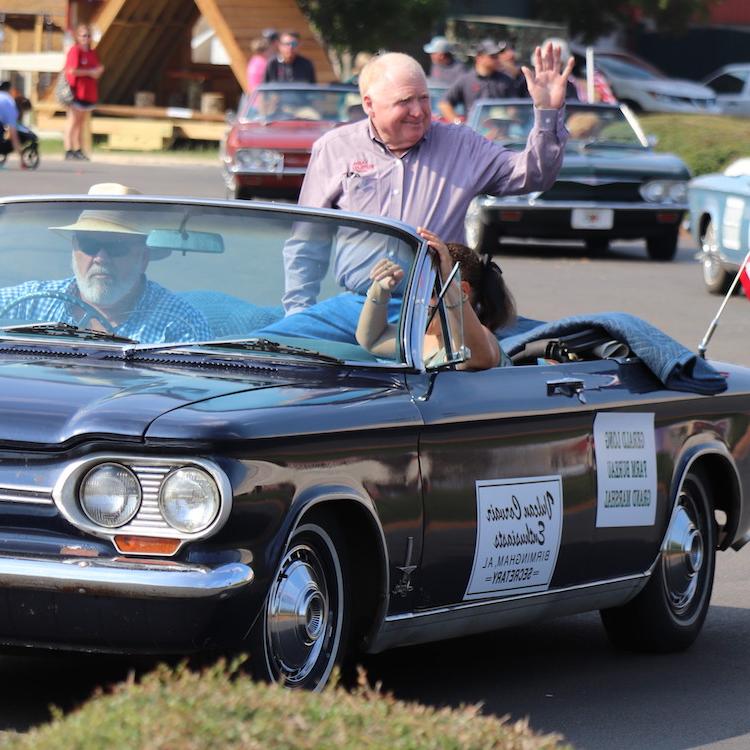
745,278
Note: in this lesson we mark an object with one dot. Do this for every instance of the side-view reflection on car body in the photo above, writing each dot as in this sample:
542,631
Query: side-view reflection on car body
612,185
304,499
267,148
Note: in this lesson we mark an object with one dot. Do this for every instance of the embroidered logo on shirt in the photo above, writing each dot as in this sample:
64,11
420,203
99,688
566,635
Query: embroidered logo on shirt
362,165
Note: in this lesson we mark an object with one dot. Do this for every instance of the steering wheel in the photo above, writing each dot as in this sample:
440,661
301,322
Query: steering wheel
89,310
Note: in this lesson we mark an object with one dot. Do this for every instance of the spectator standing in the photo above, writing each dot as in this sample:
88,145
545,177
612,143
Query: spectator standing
260,49
82,71
9,119
507,62
485,81
444,67
360,60
398,163
290,67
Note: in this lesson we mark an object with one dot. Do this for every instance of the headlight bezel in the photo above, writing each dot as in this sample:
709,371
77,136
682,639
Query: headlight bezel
150,472
259,160
664,191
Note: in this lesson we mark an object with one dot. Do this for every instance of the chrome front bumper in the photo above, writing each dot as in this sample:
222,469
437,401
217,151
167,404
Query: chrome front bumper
525,204
125,577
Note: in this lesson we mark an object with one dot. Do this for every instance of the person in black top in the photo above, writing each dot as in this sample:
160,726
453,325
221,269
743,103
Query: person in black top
289,67
485,81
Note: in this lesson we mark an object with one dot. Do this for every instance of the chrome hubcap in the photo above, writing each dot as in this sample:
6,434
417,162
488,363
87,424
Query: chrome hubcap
298,615
682,558
710,257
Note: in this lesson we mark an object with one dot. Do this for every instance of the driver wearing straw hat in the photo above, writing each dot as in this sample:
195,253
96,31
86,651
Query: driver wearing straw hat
109,290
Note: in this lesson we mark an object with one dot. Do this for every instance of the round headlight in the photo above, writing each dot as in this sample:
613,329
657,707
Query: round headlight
654,191
110,495
677,192
189,499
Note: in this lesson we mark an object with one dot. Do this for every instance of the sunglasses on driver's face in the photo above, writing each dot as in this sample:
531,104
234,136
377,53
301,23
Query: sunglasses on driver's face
115,247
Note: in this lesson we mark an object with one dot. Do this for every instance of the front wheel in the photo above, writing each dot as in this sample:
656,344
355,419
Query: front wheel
663,246
715,276
30,156
669,613
302,632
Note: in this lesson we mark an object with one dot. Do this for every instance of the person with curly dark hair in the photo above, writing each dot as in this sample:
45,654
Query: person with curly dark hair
484,301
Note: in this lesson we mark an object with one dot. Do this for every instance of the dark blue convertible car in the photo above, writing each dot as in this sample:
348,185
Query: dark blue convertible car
182,468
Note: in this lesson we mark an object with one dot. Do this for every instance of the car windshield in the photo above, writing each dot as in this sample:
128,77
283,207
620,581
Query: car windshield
323,103
512,122
620,67
157,272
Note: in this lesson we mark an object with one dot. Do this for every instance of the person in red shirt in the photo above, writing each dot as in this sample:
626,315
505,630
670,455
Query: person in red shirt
82,70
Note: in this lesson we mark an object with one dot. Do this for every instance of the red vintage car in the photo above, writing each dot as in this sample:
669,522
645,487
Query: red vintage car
266,150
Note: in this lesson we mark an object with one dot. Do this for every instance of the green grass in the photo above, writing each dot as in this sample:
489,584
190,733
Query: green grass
172,709
707,143
181,148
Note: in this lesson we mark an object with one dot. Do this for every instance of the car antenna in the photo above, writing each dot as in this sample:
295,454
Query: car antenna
711,328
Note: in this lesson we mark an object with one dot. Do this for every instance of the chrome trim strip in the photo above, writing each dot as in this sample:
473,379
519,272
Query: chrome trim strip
124,577
26,496
476,617
286,172
494,202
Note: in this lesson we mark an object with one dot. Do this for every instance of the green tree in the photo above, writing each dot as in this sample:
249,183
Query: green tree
349,26
592,18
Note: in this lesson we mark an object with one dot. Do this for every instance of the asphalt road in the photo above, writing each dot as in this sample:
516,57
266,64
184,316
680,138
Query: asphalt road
562,674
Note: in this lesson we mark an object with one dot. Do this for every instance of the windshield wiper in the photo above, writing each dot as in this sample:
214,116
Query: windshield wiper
250,345
66,329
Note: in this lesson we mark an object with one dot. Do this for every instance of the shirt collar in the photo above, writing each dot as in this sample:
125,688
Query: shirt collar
375,138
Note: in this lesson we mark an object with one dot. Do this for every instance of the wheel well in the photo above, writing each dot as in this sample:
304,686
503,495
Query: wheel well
725,495
366,559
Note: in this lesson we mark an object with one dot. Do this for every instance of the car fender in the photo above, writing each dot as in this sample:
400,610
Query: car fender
704,448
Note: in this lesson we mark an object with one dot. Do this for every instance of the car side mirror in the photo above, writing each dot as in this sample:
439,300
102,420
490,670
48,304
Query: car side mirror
230,117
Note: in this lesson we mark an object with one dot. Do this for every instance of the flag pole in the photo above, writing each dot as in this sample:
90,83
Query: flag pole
710,332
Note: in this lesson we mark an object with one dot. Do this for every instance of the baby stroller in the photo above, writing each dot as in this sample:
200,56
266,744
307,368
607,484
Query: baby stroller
29,146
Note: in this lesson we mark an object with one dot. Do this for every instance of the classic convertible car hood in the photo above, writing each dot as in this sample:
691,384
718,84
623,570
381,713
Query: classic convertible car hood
620,163
50,402
282,135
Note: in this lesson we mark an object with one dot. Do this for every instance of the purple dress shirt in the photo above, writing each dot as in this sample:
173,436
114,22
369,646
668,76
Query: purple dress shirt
431,185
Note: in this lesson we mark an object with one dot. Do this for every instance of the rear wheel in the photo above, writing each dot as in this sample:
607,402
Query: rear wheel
30,156
715,277
664,246
302,632
669,613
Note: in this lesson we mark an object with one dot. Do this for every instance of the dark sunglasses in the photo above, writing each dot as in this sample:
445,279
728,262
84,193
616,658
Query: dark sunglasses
289,44
114,247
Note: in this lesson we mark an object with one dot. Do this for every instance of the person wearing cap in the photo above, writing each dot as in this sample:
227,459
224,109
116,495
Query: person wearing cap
484,81
109,290
399,163
289,66
444,67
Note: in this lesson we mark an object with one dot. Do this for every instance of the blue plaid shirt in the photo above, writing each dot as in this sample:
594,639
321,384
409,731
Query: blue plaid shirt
159,315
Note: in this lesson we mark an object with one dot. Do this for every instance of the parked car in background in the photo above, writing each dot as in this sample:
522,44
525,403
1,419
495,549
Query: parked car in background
612,185
295,495
643,87
267,147
437,91
731,84
720,222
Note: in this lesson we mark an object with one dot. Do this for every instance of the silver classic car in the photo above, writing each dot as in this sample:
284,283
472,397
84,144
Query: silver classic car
189,465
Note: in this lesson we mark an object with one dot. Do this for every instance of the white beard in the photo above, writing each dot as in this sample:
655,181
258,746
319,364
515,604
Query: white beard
104,292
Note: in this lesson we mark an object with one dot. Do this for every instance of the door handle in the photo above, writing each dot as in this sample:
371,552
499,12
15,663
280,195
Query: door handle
567,387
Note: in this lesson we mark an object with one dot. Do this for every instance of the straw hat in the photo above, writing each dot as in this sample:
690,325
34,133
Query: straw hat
110,221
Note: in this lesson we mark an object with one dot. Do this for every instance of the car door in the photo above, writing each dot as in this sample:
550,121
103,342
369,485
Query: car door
509,471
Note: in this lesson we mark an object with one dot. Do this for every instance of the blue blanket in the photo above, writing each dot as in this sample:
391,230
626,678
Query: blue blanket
673,364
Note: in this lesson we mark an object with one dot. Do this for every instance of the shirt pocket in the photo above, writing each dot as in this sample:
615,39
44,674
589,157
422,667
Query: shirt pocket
360,193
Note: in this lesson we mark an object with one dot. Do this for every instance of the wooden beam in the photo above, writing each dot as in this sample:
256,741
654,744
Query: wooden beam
238,58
